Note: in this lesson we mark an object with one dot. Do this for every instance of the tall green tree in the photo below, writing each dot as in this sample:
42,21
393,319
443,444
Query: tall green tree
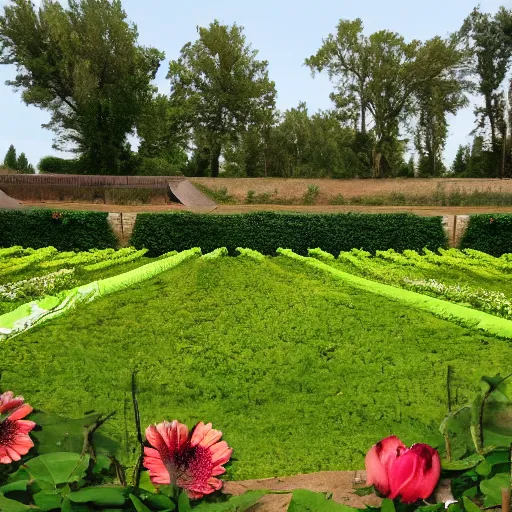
461,163
23,165
377,76
10,160
84,66
489,41
220,88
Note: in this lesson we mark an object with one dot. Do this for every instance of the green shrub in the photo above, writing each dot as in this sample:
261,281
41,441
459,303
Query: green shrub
66,231
56,165
157,167
266,231
491,234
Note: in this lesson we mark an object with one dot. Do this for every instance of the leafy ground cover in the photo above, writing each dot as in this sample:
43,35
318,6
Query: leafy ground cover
301,372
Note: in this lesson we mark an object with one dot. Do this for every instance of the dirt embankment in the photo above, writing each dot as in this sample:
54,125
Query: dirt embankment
294,190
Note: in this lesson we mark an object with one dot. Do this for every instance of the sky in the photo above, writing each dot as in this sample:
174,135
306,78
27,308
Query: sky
284,32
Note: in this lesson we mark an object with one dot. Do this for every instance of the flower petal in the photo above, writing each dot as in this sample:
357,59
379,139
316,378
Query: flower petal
21,412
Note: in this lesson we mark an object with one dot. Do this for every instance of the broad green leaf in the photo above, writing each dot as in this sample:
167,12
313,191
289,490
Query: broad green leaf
145,482
7,505
139,506
58,468
66,506
100,495
388,505
233,504
454,507
461,464
472,492
308,501
61,434
492,489
101,464
183,502
431,508
160,502
484,468
48,500
470,506
18,485
20,474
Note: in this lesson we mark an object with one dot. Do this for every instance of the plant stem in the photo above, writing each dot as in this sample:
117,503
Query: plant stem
138,466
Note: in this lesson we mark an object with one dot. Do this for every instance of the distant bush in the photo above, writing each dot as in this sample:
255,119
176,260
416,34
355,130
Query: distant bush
157,167
56,165
266,231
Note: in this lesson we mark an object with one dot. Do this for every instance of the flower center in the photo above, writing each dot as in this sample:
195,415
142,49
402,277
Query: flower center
194,466
8,430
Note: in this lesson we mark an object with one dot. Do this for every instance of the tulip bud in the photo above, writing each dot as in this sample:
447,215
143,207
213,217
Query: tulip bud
380,459
415,473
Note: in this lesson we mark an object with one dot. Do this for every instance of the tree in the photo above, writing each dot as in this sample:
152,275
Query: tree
460,165
489,40
379,75
84,66
220,88
161,133
10,160
23,166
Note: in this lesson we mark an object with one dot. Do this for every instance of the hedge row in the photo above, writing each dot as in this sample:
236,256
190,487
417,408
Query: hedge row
489,233
66,231
266,231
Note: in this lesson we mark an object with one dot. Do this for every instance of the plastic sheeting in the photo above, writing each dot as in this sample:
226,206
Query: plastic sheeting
447,310
27,316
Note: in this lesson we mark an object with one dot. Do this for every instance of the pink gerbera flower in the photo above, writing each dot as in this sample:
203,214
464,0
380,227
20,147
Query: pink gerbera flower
190,461
14,439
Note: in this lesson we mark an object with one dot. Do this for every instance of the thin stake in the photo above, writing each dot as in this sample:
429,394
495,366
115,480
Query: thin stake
448,387
138,466
505,500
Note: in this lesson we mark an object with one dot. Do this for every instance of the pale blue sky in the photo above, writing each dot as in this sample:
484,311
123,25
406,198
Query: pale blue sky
284,32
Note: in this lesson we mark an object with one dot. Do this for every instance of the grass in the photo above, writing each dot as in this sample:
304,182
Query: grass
300,372
219,195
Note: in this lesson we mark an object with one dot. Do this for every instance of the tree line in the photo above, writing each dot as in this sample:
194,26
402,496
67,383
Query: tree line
84,65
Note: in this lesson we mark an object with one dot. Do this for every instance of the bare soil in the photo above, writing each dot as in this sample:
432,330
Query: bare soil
427,211
295,189
339,483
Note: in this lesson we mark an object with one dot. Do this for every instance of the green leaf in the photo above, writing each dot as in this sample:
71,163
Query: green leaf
233,504
66,506
472,492
387,505
454,507
462,464
100,495
160,502
308,501
431,508
139,506
145,482
101,464
470,506
48,500
58,468
364,491
7,505
18,485
183,502
492,489
484,469
61,434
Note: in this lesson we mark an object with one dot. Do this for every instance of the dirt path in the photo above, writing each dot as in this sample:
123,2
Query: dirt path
339,483
225,209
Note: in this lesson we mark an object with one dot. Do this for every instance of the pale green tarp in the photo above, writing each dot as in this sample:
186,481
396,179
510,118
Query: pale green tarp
33,313
447,310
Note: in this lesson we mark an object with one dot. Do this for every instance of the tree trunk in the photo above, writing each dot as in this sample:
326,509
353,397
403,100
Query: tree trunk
363,117
215,157
377,169
492,121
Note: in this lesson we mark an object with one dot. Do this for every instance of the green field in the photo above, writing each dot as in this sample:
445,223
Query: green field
301,372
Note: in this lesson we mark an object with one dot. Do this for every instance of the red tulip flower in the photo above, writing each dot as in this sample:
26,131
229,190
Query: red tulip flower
190,461
14,439
396,471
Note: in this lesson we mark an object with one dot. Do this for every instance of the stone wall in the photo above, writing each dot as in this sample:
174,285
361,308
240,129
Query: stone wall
122,225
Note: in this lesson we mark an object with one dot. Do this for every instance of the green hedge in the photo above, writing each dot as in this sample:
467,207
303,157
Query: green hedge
78,231
266,231
489,233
